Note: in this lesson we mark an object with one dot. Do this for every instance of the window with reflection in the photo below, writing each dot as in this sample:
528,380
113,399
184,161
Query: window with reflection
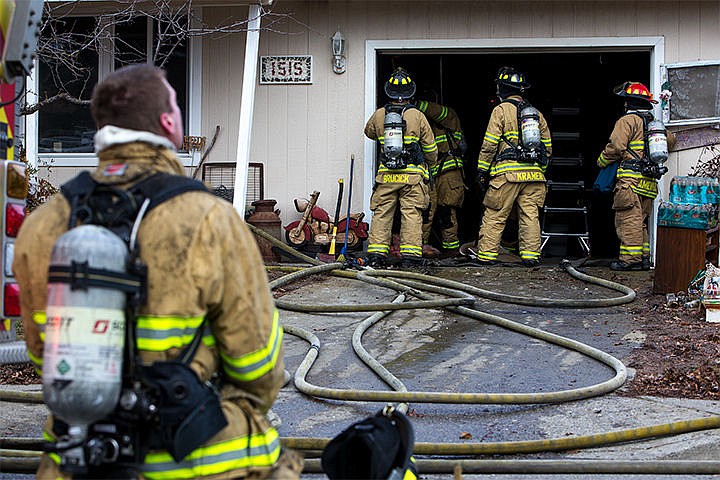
64,121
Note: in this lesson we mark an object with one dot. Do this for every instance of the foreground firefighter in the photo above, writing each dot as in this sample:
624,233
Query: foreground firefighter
161,359
637,150
513,158
407,150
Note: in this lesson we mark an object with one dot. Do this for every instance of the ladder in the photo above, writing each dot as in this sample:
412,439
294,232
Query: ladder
553,214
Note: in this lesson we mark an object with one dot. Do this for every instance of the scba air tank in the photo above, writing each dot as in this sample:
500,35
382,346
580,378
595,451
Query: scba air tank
530,127
85,329
657,142
393,134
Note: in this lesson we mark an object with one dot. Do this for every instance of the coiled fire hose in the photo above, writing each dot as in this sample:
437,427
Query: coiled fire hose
20,452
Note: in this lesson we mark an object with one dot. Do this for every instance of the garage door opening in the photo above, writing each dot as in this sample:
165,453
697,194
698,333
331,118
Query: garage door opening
574,92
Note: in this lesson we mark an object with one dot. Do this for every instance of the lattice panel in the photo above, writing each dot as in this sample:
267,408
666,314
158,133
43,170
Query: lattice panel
221,176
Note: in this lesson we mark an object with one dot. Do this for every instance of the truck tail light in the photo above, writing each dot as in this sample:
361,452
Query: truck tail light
11,295
14,216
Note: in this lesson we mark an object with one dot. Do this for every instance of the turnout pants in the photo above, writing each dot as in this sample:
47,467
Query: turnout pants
500,198
631,217
449,193
407,192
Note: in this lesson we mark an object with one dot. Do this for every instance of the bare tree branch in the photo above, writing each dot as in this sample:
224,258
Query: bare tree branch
69,40
30,109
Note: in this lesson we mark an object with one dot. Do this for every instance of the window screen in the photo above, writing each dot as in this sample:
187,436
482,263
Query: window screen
695,93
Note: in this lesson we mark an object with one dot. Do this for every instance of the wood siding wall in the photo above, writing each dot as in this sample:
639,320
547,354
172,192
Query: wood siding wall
305,134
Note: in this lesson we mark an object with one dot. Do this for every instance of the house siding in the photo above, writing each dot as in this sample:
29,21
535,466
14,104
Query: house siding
305,134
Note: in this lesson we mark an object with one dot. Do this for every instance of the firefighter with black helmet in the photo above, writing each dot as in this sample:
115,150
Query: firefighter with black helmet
448,191
407,152
513,158
637,175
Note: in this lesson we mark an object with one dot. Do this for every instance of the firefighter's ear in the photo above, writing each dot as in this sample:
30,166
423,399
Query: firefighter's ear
167,122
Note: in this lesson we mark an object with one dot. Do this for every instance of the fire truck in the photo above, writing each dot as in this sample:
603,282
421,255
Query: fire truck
19,31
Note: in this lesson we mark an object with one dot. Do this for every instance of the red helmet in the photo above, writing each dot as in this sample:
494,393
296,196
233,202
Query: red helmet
634,90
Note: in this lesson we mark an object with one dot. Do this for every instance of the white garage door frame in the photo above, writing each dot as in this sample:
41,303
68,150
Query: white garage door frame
654,45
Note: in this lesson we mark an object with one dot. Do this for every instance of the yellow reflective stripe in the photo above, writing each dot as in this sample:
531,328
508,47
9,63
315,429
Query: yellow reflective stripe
441,138
422,105
546,141
37,361
511,135
489,137
429,148
529,254
443,114
208,339
378,248
160,333
514,167
487,255
40,320
602,161
256,364
627,173
409,169
451,245
411,249
259,450
410,139
483,165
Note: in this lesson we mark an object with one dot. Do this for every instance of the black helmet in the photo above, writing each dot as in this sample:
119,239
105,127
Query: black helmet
377,448
508,79
400,85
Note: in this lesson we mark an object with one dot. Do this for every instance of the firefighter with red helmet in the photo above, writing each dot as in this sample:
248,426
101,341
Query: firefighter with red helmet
407,152
636,177
448,191
511,167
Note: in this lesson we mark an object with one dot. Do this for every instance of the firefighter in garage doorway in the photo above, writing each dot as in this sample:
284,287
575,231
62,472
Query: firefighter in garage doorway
448,191
637,175
513,158
407,151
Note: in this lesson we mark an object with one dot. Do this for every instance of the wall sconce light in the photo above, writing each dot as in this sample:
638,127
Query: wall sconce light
338,51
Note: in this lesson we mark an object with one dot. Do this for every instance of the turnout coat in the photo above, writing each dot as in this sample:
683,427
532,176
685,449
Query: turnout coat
202,262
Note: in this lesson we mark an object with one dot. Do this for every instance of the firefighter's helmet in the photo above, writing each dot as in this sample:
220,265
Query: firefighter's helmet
509,77
634,90
400,85
377,448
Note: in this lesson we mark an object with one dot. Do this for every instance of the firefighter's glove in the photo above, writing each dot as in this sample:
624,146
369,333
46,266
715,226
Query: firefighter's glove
482,181
462,147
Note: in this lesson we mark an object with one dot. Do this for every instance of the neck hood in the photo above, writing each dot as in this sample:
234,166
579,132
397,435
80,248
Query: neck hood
111,135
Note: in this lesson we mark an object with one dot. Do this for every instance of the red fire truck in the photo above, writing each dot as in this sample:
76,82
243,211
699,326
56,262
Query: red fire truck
19,30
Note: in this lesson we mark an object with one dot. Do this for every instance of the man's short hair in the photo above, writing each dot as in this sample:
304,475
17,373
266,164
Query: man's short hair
131,97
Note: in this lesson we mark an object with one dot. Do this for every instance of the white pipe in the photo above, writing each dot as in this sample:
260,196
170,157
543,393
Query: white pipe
247,105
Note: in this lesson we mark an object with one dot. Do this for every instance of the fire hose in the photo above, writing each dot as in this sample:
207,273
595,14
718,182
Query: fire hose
463,296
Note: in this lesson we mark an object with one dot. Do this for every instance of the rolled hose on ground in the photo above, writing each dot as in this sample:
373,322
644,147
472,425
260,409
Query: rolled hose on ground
409,282
371,276
28,462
